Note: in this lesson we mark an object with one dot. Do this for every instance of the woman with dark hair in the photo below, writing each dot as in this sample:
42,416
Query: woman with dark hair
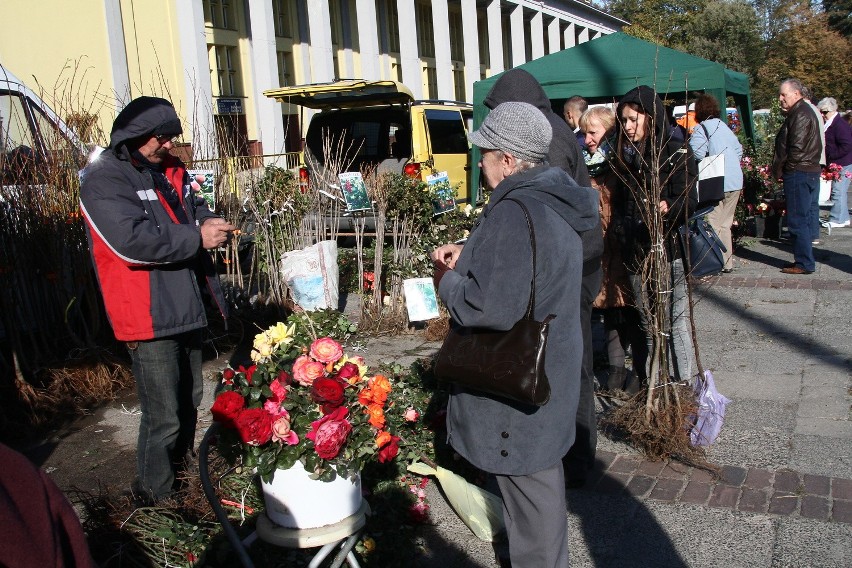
656,175
711,137
615,298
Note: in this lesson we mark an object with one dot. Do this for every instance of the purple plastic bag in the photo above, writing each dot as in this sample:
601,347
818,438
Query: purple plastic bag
711,411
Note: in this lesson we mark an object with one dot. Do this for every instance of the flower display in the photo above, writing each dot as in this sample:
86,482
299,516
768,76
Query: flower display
308,403
832,172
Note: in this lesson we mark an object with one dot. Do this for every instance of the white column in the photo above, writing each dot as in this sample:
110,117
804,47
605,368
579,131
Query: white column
197,81
368,39
264,60
117,53
304,45
443,62
584,35
553,39
570,39
537,35
412,74
319,23
518,39
470,31
495,38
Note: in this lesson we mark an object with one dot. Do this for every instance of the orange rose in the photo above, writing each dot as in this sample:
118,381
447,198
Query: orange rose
383,439
365,397
377,415
380,383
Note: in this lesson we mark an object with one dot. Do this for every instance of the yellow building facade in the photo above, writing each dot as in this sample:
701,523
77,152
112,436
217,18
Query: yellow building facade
213,58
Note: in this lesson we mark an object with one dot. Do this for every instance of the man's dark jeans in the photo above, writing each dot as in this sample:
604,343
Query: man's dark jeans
168,381
801,190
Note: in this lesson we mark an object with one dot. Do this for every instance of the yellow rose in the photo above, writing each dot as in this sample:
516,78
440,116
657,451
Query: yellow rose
280,333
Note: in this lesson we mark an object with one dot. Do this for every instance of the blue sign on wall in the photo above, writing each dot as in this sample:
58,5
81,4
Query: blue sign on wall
229,106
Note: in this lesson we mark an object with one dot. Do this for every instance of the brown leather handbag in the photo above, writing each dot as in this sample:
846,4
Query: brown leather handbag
506,364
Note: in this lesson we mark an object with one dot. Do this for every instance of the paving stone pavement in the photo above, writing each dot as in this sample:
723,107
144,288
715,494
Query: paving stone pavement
778,346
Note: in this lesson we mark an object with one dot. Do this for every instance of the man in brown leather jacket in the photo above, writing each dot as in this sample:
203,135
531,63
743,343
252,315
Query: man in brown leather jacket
798,150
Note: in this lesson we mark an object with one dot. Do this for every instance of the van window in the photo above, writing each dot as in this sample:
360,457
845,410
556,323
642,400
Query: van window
446,131
14,126
18,152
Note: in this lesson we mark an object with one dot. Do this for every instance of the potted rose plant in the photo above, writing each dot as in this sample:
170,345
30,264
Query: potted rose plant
303,413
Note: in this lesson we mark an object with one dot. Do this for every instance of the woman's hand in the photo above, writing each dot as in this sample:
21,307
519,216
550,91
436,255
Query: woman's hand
445,257
664,207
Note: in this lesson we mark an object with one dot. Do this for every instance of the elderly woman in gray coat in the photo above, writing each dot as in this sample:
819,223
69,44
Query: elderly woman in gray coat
486,283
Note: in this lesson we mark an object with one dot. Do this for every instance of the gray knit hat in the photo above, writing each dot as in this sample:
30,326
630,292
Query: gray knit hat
517,128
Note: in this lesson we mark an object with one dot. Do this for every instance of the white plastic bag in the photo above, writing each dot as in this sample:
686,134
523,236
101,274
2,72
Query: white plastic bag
311,275
711,411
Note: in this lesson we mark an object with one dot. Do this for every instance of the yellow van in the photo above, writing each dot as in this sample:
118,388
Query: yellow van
378,123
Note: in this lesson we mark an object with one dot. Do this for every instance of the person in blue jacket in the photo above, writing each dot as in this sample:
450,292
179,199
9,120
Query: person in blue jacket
710,137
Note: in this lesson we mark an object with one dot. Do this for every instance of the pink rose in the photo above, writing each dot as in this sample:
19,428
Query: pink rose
305,371
329,433
281,431
326,350
411,415
272,406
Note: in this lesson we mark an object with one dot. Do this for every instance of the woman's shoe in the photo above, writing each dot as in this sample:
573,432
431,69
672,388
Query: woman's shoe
615,378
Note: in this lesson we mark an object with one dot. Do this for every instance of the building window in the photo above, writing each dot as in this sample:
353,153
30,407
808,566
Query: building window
482,32
456,36
425,31
458,80
220,14
431,83
285,68
393,26
227,72
281,18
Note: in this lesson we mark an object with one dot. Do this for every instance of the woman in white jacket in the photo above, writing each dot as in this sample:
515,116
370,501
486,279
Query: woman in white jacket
712,136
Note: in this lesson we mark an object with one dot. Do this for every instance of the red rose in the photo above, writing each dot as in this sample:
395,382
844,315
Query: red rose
389,450
284,378
228,376
329,433
348,371
227,407
248,372
254,426
327,392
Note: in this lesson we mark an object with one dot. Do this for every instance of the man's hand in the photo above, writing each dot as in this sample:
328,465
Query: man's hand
664,207
445,257
214,232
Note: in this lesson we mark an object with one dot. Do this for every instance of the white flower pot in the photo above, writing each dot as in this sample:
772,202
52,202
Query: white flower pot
294,500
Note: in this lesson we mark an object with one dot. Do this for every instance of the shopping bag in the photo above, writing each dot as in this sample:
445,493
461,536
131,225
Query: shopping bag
711,411
703,244
312,276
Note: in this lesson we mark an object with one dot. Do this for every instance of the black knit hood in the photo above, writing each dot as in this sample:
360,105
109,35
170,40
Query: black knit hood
144,116
651,104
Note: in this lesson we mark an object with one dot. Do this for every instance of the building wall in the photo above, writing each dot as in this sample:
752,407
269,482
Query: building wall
438,48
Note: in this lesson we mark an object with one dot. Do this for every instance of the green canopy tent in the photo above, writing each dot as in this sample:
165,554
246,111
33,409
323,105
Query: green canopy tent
607,67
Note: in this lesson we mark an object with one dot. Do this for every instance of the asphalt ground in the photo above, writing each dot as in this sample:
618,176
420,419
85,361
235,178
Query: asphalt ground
778,346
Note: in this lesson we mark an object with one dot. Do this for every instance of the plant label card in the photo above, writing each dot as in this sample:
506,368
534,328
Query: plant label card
443,198
206,190
420,299
354,191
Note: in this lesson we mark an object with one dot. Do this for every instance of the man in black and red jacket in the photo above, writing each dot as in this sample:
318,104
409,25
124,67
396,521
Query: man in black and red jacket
147,234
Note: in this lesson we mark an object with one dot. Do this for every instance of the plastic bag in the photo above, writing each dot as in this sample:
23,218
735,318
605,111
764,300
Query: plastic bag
711,411
311,275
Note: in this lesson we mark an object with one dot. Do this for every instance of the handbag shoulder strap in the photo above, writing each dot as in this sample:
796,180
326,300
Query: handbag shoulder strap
707,134
523,207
